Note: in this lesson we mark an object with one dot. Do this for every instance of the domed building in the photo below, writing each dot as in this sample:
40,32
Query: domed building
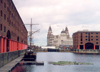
63,40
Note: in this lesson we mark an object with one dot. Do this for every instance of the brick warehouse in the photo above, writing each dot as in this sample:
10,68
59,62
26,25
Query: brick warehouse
86,40
13,34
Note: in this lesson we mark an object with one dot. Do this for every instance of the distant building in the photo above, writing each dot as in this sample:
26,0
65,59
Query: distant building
86,40
46,47
59,40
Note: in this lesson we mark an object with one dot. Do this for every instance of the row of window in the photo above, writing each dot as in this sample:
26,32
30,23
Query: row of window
92,36
89,39
9,21
91,33
9,11
1,13
92,39
2,3
82,42
1,28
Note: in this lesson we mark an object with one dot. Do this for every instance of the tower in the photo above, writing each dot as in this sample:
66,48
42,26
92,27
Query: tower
49,30
50,37
67,33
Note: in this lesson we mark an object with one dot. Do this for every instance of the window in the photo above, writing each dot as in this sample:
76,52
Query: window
81,34
4,29
85,36
96,36
1,27
1,1
91,36
91,39
4,5
86,39
81,42
1,13
91,33
86,33
96,33
56,36
12,15
7,19
4,16
96,42
96,39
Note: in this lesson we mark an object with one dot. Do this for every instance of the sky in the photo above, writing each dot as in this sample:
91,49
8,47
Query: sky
75,14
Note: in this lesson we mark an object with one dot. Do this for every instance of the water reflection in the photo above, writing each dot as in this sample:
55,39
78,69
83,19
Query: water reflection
57,56
19,68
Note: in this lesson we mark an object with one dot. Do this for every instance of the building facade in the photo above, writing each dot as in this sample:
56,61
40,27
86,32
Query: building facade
59,40
13,34
86,40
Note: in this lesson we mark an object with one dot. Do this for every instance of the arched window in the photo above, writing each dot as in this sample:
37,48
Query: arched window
89,46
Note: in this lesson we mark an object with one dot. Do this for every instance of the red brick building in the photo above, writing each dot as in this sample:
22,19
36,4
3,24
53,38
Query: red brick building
86,40
13,34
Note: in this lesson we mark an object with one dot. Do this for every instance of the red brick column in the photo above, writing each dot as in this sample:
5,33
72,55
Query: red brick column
10,45
17,46
78,46
83,46
94,47
1,45
5,43
13,45
99,47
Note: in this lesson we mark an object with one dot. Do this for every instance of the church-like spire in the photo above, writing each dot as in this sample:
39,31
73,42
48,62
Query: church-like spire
67,33
50,30
66,29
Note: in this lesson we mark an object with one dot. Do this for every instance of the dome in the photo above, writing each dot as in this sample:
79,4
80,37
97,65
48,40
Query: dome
63,32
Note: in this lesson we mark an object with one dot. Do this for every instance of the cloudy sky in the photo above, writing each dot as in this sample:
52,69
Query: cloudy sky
75,14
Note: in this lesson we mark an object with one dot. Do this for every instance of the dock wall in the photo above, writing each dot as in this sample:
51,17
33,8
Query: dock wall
87,51
9,56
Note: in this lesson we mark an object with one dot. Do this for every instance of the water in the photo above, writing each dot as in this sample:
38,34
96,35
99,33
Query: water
58,56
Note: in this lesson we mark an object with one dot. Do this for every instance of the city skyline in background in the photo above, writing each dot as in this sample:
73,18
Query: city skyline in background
75,14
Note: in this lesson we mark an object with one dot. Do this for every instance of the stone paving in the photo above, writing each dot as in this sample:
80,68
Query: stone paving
9,66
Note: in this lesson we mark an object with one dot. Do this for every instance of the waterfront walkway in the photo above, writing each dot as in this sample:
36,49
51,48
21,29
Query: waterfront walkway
8,67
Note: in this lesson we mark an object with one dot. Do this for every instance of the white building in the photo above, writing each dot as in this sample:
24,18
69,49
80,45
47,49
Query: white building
58,40
46,47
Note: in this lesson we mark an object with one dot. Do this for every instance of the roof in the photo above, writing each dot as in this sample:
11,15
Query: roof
86,32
